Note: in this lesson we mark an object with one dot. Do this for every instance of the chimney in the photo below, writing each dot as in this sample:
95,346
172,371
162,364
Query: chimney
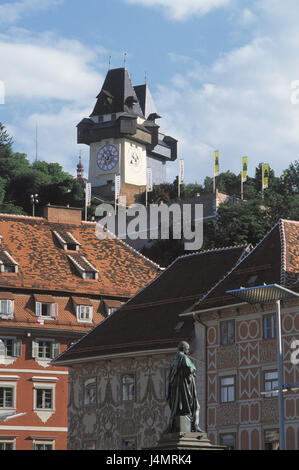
64,215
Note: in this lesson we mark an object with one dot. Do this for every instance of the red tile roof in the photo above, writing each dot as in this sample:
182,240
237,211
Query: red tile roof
44,265
46,274
274,260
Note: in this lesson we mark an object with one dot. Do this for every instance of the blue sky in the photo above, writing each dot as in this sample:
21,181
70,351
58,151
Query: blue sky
220,72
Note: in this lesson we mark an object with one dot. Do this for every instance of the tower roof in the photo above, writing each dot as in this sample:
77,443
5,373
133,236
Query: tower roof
117,95
145,99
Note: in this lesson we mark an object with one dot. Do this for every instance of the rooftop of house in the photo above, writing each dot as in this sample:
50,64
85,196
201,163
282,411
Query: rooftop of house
150,320
274,260
61,253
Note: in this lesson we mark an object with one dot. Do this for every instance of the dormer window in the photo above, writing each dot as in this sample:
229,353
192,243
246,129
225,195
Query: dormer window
7,263
84,267
67,241
84,309
45,307
111,306
90,275
6,305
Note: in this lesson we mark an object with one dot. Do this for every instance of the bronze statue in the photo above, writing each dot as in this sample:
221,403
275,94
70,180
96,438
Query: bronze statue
181,396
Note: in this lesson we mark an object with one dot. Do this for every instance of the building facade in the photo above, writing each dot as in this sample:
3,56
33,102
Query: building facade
126,359
241,348
233,344
57,282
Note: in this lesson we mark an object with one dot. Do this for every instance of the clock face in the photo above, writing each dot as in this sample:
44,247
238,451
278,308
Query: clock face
135,159
107,157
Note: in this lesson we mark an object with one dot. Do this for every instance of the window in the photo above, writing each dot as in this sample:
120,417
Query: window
7,263
84,313
6,397
44,398
6,307
89,445
271,439
90,391
227,332
7,445
45,349
129,443
228,440
270,383
46,309
227,389
83,266
269,326
90,275
9,269
111,310
10,347
40,445
128,387
67,241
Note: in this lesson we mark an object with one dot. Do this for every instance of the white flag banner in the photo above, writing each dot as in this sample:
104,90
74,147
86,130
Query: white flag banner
117,186
181,171
88,194
149,181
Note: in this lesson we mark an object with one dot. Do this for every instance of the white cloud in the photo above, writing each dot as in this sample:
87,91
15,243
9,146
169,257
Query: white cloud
11,12
241,103
47,68
182,9
52,82
57,136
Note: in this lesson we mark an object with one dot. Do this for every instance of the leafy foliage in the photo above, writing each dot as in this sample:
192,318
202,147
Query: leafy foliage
20,178
241,223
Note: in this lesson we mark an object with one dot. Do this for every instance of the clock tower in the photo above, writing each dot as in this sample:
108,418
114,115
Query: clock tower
124,138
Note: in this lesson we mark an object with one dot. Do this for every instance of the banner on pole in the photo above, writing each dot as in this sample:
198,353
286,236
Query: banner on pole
244,169
265,175
117,186
149,180
216,163
88,194
181,171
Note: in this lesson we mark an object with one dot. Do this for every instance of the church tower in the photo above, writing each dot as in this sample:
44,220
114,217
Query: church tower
124,138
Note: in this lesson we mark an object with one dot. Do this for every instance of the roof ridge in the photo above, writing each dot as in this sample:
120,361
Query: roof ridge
233,268
283,255
212,250
22,216
289,220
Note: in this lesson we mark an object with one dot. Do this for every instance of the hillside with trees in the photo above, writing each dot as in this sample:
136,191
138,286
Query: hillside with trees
19,179
234,225
247,222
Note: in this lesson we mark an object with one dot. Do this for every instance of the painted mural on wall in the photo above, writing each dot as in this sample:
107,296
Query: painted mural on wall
118,404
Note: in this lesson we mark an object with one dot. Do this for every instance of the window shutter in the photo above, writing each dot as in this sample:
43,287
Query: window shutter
54,310
34,349
2,348
55,350
38,309
17,348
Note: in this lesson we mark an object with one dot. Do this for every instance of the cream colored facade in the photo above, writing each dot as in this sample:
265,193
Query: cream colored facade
131,173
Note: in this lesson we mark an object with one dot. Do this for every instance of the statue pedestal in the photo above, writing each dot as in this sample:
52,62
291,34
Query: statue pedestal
186,441
181,437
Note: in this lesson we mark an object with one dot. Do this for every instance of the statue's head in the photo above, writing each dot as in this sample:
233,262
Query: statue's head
184,347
